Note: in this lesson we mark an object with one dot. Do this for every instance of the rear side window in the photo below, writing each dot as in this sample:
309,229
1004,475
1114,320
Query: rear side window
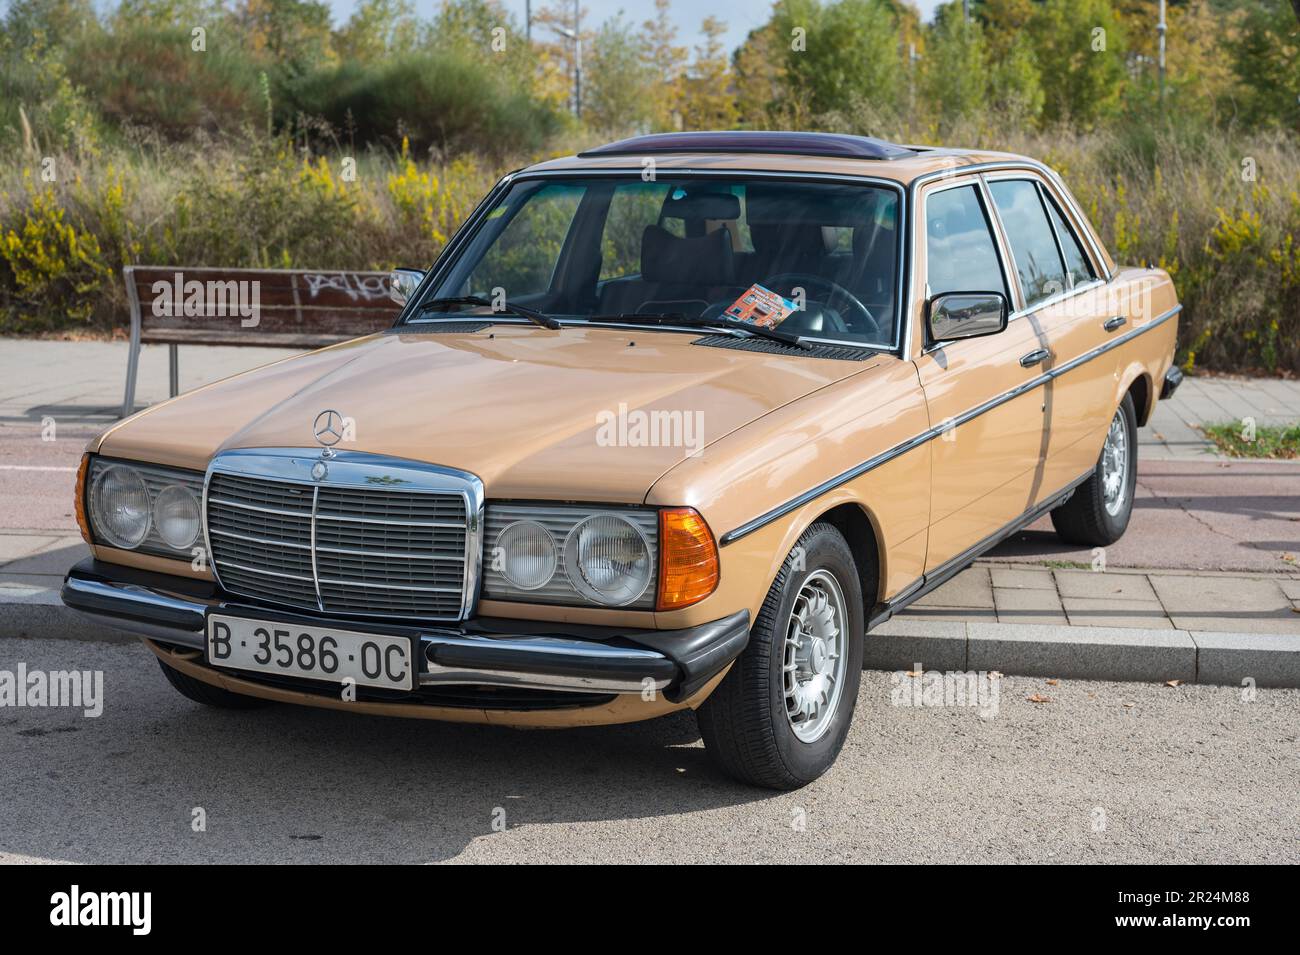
1077,269
1033,244
961,255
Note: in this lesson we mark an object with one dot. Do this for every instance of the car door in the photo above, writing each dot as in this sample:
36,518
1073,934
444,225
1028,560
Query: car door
986,458
1062,299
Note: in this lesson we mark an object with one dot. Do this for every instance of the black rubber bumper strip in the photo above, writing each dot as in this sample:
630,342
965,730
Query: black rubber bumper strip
701,652
1173,378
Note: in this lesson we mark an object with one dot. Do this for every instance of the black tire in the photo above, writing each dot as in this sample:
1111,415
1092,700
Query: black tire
1083,519
744,721
207,694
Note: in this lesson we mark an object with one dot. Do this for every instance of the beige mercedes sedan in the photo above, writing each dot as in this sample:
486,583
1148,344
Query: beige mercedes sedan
673,423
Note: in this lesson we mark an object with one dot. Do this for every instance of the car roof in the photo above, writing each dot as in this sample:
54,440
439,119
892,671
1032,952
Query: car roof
776,151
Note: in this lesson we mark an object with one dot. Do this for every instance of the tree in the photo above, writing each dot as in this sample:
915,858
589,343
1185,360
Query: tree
1003,22
838,56
293,35
956,65
707,101
617,98
1266,58
666,60
1015,82
1080,49
555,53
132,14
969,74
758,72
378,29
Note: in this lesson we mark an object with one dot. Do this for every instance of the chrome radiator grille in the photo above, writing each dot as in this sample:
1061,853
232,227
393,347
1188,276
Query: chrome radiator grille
347,550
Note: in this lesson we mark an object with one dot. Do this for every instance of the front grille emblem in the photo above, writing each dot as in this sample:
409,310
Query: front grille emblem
328,428
319,470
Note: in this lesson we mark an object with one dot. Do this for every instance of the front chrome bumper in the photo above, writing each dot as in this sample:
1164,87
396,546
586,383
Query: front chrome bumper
484,651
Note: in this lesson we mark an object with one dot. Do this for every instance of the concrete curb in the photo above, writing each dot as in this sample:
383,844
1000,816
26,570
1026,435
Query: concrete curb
1087,653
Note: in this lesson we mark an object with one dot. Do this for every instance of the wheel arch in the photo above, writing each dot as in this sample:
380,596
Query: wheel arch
854,520
1140,387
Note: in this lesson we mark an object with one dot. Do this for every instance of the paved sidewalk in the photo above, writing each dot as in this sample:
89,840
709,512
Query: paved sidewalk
84,381
1144,599
1172,434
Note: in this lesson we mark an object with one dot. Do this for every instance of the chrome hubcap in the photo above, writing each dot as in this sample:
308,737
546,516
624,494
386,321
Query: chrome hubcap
814,656
1114,465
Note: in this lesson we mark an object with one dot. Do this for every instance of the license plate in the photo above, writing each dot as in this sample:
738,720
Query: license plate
311,651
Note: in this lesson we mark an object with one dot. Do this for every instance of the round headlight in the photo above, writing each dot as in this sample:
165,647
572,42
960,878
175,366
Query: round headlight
608,560
176,516
119,506
527,554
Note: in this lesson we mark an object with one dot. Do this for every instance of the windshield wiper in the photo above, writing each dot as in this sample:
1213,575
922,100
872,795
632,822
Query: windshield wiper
523,311
730,324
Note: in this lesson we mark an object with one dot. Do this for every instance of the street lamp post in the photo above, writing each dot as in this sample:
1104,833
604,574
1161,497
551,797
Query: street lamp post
1161,29
577,65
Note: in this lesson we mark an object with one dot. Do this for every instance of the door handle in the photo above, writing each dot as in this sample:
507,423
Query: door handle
1035,357
1113,323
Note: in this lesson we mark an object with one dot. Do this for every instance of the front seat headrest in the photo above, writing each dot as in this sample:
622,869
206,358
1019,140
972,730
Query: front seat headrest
706,260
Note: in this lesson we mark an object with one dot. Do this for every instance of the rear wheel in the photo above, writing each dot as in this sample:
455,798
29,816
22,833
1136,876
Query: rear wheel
1098,512
780,716
207,694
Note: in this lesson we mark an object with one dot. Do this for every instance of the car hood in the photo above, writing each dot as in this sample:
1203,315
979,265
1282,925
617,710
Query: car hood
581,414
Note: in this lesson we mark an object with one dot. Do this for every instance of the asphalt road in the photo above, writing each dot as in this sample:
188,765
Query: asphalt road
1101,773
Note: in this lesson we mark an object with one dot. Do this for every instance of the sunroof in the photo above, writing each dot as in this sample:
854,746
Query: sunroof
834,145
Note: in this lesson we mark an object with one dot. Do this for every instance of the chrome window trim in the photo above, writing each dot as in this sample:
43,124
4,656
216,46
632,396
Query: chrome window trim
897,347
1008,165
929,434
356,470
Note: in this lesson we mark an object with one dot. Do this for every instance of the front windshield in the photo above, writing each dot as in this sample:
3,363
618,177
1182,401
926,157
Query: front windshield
691,248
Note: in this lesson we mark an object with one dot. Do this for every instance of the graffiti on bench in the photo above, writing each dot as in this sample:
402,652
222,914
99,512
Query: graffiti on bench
354,284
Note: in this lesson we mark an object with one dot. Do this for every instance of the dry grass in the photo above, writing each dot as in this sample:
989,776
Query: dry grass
1182,200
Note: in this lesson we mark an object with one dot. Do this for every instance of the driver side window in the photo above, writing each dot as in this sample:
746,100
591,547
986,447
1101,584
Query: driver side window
960,253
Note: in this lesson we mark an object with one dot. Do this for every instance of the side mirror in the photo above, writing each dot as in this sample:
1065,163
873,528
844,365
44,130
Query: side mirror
402,284
956,315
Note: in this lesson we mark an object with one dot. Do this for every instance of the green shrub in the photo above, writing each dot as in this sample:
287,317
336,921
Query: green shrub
150,77
446,101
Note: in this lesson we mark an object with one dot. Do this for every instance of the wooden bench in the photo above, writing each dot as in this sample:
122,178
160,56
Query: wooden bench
277,308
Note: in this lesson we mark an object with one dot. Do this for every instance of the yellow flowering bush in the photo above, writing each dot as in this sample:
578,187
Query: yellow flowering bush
51,260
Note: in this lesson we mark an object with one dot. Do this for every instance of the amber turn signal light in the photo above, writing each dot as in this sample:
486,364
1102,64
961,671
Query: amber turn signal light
81,498
688,559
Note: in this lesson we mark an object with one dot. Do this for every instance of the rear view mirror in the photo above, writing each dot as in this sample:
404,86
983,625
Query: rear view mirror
956,315
402,284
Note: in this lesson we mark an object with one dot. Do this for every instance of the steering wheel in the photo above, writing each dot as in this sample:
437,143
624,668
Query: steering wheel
795,279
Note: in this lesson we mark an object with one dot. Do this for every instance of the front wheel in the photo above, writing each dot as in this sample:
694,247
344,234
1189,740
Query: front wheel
780,716
1098,512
